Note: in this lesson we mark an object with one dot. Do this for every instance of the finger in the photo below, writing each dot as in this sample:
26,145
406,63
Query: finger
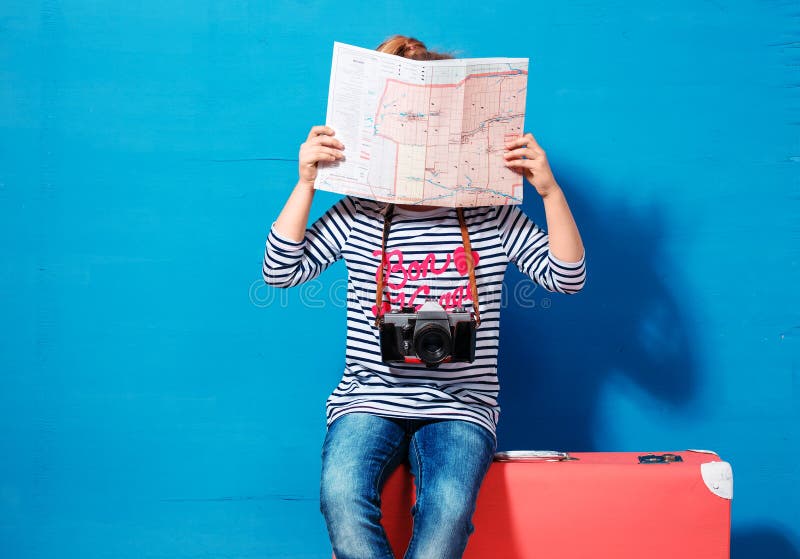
327,154
521,152
326,141
521,141
321,129
312,156
532,143
518,170
526,140
521,164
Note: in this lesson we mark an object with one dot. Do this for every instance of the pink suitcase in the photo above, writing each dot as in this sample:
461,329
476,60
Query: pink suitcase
620,505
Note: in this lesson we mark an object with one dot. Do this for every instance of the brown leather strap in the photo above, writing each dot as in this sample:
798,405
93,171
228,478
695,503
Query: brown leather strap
388,212
470,266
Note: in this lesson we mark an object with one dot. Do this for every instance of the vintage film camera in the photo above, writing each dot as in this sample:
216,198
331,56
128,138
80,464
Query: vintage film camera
430,336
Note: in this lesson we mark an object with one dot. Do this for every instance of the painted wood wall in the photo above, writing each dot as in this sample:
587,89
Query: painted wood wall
157,400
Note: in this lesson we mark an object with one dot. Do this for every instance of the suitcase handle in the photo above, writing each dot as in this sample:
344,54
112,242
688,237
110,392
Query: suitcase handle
532,456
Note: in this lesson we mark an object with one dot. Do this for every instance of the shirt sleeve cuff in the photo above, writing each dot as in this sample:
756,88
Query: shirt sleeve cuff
568,268
283,243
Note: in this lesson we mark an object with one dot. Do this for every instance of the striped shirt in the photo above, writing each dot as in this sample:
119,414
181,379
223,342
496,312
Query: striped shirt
426,260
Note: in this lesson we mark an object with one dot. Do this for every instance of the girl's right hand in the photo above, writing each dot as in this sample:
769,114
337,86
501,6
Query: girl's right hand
319,146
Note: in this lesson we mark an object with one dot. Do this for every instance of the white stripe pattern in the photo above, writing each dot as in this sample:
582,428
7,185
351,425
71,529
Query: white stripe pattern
425,255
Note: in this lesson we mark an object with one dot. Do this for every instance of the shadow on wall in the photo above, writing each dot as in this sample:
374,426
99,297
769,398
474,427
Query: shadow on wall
762,541
627,321
555,361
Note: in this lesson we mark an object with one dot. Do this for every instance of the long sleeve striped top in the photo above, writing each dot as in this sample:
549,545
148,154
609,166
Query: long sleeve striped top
426,260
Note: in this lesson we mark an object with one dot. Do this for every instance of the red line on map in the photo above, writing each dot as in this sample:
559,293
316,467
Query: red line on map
396,159
456,84
488,155
431,86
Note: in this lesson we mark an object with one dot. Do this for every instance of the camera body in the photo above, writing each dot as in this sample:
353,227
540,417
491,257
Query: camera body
430,336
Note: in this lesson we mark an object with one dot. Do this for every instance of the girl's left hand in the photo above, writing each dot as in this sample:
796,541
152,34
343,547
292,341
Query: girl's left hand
525,156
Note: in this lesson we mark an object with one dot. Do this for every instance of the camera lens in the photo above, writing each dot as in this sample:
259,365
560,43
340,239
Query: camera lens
432,343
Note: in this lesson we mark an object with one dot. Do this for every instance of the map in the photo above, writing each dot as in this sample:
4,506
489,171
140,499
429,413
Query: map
424,132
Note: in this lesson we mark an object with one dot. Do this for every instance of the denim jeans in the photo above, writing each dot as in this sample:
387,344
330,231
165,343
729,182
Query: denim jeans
448,458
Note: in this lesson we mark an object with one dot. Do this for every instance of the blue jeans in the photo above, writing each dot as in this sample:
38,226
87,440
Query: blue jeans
448,458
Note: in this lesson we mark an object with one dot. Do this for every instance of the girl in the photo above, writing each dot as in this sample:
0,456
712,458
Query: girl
442,420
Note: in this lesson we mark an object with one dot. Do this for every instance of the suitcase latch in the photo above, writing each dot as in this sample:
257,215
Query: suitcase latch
659,458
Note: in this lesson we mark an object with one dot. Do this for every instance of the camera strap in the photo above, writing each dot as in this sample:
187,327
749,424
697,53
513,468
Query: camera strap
473,287
388,213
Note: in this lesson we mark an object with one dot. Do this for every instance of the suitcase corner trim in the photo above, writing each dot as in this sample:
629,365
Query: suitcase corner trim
718,477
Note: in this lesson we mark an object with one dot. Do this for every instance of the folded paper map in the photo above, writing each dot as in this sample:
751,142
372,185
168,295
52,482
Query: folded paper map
424,132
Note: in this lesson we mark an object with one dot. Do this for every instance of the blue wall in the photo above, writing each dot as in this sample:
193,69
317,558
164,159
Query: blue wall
157,401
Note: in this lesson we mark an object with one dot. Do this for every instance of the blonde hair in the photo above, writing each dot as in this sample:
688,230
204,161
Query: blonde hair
409,47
